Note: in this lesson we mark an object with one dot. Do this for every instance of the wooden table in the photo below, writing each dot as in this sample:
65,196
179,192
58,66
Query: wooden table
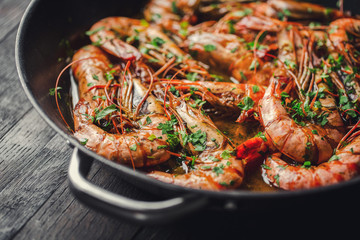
36,203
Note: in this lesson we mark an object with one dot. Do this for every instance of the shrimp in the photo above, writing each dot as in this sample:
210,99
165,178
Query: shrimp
92,66
208,174
343,54
294,137
225,98
226,53
255,148
156,48
342,166
339,33
159,50
163,10
142,147
248,20
142,144
215,168
106,32
214,49
209,11
301,143
90,71
302,10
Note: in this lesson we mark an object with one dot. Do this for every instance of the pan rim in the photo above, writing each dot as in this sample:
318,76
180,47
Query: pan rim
224,195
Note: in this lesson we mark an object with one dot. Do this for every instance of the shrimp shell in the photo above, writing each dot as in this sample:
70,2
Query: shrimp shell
345,166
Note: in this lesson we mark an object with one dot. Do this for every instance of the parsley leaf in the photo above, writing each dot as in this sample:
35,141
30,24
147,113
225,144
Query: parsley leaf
168,125
226,154
246,104
106,111
198,139
209,47
133,147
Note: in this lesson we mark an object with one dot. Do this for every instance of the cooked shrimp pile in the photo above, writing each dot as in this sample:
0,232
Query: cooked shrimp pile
152,90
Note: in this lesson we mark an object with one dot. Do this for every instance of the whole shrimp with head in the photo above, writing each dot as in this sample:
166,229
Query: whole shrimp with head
211,164
342,166
244,62
224,99
119,36
291,124
115,117
343,47
304,132
334,167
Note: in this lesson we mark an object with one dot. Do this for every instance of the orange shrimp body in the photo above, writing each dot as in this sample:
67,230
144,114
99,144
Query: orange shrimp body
301,143
139,147
225,97
90,70
338,34
133,148
208,174
105,33
215,168
344,165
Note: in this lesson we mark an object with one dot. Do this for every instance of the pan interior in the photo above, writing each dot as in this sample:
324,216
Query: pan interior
50,33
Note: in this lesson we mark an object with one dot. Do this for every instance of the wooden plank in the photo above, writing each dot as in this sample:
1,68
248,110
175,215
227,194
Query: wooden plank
14,103
32,167
63,217
11,12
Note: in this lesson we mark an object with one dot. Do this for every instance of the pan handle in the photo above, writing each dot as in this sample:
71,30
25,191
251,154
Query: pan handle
141,212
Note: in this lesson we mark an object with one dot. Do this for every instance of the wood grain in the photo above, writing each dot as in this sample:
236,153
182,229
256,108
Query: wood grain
10,13
13,102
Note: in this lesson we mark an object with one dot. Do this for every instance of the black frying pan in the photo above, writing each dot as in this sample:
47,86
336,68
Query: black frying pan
40,49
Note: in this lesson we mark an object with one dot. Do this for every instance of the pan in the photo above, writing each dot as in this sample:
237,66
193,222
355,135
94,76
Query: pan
48,32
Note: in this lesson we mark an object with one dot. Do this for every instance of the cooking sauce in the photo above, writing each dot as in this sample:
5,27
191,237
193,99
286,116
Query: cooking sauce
237,133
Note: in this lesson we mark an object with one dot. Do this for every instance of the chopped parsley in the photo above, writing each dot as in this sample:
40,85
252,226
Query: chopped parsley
148,120
219,169
226,154
52,91
198,139
152,137
261,135
168,129
133,147
334,157
198,103
255,89
168,126
106,111
214,159
92,32
174,91
157,42
264,166
246,104
191,76
95,77
162,146
306,164
83,141
209,47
